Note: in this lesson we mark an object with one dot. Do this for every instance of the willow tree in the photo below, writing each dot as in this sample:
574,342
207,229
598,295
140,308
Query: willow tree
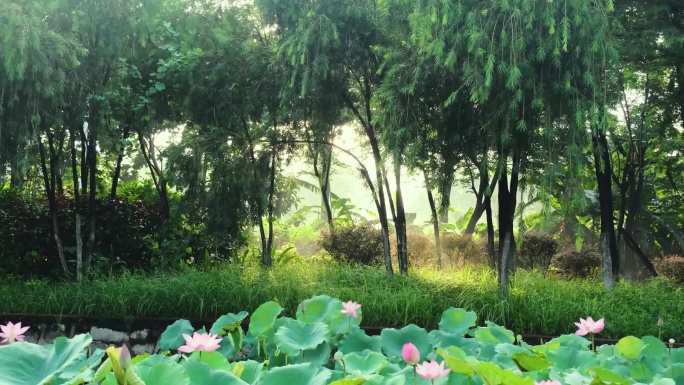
538,71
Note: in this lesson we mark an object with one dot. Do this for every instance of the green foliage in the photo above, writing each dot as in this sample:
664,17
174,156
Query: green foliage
464,249
671,267
537,251
577,264
353,243
537,304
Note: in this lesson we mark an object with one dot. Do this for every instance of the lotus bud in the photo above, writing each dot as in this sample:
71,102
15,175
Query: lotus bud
660,322
338,356
410,354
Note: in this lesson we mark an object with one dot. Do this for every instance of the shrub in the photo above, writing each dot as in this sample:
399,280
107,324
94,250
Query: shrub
464,249
420,249
537,251
577,264
350,242
671,267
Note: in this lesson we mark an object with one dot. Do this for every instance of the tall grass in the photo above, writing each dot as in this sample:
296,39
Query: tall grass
536,304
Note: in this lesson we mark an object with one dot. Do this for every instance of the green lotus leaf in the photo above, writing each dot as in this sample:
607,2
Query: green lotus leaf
393,340
228,323
367,362
318,356
226,348
172,337
300,374
320,308
605,376
457,321
358,340
568,340
24,363
574,377
526,359
263,318
200,373
494,333
163,374
654,348
252,371
567,358
455,359
440,339
215,360
677,356
295,336
645,369
345,381
629,347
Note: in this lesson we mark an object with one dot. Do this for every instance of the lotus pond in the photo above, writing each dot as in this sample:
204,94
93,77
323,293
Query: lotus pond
324,344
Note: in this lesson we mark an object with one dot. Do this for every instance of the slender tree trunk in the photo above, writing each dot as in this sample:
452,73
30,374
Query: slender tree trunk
325,188
77,204
119,161
611,265
400,222
92,168
257,202
491,252
16,180
48,181
435,220
267,260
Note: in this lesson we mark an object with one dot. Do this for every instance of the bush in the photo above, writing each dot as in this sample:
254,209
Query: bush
464,249
671,267
537,251
577,264
350,242
420,249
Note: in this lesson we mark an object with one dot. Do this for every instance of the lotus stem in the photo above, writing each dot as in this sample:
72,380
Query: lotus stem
415,379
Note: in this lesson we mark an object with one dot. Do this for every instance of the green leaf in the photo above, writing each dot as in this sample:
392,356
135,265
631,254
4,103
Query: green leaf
228,323
160,86
172,337
357,340
296,335
163,374
214,360
393,340
367,362
567,358
457,321
300,374
455,359
629,347
24,363
494,333
200,373
263,318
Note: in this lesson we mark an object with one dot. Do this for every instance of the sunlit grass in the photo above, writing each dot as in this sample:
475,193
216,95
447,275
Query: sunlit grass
536,305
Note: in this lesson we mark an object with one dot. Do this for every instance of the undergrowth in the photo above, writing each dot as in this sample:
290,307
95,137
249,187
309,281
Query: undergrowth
536,305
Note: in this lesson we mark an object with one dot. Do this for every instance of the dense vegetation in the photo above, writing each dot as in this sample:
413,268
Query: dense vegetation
535,305
577,105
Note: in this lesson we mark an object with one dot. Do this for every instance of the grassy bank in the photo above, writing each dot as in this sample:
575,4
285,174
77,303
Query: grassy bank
536,305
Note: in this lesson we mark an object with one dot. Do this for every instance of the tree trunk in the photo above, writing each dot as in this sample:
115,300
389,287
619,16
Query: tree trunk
400,222
92,168
323,176
507,203
77,204
267,260
611,264
52,204
445,196
119,160
491,252
257,201
435,220
16,180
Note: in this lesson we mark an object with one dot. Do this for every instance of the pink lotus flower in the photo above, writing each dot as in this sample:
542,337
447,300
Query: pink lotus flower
549,382
205,342
12,332
589,326
431,370
350,309
410,354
